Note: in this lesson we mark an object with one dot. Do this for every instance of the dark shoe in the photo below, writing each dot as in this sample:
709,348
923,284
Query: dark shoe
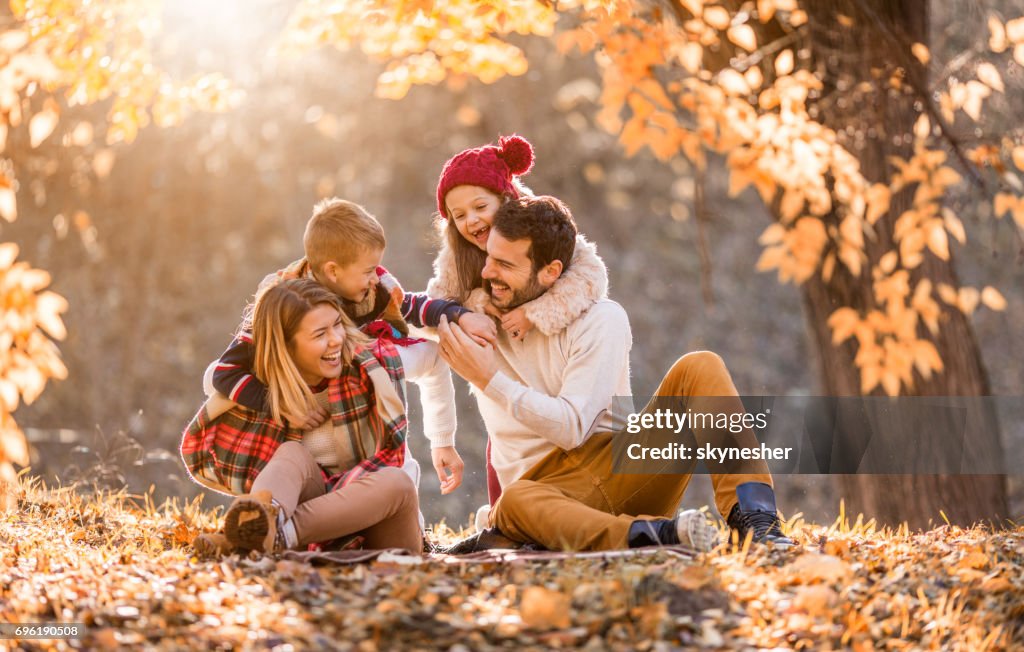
689,528
489,539
755,512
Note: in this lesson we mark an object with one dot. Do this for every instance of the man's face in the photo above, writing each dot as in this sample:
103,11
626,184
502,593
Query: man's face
509,272
356,279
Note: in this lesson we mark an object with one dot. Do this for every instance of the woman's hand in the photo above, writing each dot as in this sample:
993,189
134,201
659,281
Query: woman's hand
480,327
316,417
516,324
448,465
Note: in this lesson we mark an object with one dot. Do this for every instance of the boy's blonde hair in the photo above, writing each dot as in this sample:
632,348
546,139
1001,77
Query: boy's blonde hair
276,317
338,232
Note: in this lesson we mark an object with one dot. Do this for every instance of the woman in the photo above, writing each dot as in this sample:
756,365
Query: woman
342,478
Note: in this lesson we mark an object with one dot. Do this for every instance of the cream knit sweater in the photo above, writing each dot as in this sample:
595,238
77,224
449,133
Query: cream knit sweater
555,391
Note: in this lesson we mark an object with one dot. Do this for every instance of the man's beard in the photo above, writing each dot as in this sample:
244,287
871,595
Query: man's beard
533,289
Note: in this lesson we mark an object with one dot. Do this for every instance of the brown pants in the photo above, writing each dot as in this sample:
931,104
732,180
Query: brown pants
382,506
571,500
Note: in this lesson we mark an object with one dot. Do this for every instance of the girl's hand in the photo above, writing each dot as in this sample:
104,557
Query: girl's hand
480,327
448,465
316,417
491,310
516,324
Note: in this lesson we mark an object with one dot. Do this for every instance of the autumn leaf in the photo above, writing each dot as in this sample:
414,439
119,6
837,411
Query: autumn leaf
843,322
717,17
784,63
42,124
1018,157
920,50
743,36
988,74
997,34
543,608
8,204
992,298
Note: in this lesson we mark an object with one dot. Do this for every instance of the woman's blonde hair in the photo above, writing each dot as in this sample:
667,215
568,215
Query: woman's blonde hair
276,316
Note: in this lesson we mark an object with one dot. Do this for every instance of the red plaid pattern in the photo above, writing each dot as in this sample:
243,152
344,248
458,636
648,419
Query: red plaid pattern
226,452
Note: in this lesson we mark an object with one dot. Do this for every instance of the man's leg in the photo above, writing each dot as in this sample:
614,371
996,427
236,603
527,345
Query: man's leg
571,498
701,377
745,496
559,504
566,502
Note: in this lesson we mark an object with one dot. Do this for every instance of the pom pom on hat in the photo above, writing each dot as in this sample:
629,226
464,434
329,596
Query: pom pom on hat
517,153
489,167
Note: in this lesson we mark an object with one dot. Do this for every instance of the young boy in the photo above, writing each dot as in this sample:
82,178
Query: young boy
344,245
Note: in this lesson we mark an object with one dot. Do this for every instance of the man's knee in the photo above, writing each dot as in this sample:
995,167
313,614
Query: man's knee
514,498
700,360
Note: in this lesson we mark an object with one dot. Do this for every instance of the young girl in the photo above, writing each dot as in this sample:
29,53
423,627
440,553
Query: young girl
473,184
343,477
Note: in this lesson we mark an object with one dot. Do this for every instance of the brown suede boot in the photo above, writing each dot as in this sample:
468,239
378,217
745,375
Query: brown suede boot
251,523
212,544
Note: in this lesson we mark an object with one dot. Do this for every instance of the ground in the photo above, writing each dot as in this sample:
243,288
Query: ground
124,567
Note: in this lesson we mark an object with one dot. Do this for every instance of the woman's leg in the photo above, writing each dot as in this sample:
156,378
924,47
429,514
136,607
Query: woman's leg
291,476
382,505
259,520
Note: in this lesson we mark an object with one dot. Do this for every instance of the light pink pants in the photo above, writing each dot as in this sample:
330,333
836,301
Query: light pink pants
382,506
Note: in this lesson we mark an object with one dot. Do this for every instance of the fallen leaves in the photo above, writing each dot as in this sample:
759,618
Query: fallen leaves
814,567
126,571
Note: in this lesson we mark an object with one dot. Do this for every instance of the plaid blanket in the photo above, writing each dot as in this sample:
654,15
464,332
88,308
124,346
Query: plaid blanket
226,445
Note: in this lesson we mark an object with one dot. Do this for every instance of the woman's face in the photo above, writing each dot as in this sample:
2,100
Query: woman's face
472,210
316,345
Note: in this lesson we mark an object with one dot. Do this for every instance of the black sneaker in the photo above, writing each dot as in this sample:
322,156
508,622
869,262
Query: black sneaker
488,539
755,512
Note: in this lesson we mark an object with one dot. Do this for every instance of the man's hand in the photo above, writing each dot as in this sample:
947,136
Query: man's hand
480,327
516,324
316,417
448,465
474,362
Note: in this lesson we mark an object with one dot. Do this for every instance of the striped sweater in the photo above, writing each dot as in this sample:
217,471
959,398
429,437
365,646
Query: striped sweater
389,304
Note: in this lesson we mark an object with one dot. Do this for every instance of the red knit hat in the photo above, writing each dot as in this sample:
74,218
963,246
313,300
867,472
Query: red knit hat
488,167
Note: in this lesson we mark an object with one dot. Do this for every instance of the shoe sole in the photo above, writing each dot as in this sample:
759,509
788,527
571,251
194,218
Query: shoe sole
247,524
694,529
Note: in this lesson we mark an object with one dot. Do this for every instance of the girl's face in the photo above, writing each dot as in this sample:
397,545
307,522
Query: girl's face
472,209
316,345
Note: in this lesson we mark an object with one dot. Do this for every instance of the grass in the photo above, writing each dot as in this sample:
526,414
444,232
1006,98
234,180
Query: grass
124,567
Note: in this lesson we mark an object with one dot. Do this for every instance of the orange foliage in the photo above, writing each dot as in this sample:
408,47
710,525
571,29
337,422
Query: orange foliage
29,317
755,114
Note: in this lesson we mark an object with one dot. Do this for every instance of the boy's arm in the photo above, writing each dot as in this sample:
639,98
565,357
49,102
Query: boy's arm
419,310
233,377
423,365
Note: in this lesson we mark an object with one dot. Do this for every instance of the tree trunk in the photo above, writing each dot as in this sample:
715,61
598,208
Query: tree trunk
848,53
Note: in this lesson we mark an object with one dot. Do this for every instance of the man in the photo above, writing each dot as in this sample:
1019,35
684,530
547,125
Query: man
546,402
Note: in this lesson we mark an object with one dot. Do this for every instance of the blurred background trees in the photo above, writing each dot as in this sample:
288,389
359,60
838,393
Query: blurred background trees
157,237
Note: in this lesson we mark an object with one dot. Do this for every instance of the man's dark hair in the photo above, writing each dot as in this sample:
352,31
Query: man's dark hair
545,221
